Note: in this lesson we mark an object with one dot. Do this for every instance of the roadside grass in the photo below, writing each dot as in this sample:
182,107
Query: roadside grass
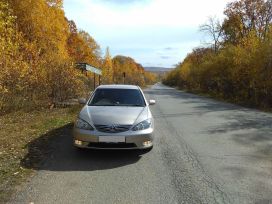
17,131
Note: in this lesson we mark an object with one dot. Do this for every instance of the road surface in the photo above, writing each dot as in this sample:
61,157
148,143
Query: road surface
205,151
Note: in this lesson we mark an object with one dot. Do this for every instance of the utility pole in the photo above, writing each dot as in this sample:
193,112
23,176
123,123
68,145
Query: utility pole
94,82
124,77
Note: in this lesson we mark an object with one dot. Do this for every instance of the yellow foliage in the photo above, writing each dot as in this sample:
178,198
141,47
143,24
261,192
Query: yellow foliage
241,70
38,50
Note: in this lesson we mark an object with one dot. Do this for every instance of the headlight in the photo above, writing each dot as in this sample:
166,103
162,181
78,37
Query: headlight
81,124
142,125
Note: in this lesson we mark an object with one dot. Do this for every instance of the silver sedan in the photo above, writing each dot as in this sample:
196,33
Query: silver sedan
115,117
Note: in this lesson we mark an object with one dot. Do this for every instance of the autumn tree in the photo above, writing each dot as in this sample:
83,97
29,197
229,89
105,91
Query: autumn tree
92,51
241,69
34,20
82,47
55,3
15,80
107,68
135,73
36,52
247,16
39,47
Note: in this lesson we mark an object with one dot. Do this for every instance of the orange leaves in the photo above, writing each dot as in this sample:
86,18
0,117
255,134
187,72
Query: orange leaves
34,60
135,73
245,16
107,68
38,50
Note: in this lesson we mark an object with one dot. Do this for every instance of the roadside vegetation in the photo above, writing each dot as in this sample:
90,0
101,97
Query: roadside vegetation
39,47
237,65
18,131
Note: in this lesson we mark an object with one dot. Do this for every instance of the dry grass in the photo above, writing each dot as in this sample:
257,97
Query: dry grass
17,131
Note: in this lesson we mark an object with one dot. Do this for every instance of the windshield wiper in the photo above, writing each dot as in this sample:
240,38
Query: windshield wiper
102,105
136,105
130,105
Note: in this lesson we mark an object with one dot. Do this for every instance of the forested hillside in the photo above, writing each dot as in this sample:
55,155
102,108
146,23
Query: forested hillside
238,63
39,47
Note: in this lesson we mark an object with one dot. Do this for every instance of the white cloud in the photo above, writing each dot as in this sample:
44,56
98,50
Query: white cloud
144,25
153,13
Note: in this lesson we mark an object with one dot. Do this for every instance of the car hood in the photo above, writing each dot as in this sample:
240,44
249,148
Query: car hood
108,115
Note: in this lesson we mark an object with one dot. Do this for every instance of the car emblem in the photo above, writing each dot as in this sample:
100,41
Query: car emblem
113,127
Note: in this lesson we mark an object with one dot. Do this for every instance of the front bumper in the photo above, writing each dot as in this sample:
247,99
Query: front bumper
133,139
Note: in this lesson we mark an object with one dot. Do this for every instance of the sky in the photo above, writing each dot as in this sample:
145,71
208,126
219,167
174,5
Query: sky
157,33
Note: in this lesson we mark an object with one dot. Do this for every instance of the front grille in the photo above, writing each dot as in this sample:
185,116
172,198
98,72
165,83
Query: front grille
112,128
111,145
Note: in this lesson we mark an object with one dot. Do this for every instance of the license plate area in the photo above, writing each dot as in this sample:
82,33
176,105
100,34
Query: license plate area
112,139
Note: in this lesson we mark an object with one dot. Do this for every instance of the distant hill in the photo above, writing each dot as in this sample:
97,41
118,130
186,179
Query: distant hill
158,69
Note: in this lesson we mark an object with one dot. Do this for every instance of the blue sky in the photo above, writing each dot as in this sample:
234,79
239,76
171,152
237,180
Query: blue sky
153,32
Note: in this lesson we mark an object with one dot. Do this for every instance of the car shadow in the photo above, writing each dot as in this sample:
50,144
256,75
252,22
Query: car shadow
54,151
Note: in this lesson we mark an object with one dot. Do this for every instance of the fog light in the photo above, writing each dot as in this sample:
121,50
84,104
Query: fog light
147,143
78,142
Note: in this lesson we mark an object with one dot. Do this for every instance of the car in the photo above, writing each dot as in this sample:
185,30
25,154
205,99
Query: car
115,117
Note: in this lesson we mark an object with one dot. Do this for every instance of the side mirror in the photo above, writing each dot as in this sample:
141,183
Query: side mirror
152,102
82,101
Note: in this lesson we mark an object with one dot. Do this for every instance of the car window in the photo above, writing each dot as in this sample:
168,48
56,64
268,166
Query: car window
117,97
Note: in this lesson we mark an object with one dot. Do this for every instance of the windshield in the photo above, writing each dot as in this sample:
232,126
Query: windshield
117,97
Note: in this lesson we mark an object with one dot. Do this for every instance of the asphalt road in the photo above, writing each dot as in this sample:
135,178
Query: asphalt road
205,151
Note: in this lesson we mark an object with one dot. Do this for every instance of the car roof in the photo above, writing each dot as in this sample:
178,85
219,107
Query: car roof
117,86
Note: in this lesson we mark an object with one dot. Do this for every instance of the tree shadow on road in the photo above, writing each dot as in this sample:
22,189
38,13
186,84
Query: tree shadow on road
248,127
200,103
251,129
241,137
54,151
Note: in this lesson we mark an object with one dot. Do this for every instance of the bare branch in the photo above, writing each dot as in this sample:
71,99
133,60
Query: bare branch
213,29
